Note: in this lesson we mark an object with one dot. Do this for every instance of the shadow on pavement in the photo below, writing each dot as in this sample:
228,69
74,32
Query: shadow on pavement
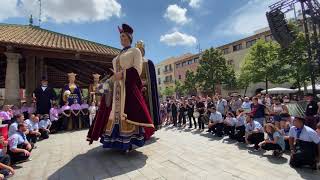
275,160
99,163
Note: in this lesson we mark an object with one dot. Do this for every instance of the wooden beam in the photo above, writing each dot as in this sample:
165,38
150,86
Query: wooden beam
60,84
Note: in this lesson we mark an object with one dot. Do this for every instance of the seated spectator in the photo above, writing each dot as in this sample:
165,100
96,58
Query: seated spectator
216,123
54,118
24,110
33,128
304,144
240,126
6,115
19,146
254,132
275,140
285,128
229,125
44,127
5,169
14,126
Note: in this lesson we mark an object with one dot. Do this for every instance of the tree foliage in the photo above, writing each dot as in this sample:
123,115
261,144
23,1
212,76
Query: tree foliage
190,83
168,91
179,89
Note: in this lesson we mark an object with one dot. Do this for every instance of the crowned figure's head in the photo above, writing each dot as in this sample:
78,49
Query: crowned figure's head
140,45
126,33
96,77
72,77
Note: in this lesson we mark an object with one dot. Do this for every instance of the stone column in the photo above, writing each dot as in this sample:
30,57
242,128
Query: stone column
12,84
30,77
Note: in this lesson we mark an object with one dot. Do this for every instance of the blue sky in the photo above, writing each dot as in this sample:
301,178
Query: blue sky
168,27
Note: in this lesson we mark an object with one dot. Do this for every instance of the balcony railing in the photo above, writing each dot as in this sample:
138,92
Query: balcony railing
167,71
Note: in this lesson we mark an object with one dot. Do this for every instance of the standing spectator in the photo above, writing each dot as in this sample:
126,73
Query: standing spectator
235,104
19,147
222,105
275,140
216,123
6,115
13,128
311,111
44,95
278,108
246,105
254,132
169,113
304,144
174,111
201,109
258,111
162,113
44,126
54,118
190,109
33,128
5,169
182,113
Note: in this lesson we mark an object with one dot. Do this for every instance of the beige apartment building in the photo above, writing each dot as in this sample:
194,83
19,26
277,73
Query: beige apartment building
234,53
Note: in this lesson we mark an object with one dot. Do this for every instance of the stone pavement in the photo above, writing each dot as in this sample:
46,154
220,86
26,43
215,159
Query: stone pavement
172,154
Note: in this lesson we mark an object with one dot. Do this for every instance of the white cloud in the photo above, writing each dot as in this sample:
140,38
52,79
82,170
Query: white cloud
177,38
245,20
194,3
176,14
8,8
62,11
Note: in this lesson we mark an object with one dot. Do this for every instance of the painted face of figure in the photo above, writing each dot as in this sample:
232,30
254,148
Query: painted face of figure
96,79
44,83
125,40
72,79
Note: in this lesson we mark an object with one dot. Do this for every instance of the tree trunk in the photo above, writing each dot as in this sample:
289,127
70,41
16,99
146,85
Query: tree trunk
213,88
266,85
245,90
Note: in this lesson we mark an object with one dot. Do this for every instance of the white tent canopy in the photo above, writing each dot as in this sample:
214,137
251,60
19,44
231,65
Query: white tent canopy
279,90
309,88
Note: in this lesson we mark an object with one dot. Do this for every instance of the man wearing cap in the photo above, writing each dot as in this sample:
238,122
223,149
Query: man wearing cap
304,144
44,95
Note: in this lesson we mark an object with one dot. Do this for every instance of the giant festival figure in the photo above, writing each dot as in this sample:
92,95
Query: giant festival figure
123,118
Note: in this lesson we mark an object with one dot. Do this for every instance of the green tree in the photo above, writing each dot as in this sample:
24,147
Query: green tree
168,91
231,81
212,70
263,64
179,89
190,83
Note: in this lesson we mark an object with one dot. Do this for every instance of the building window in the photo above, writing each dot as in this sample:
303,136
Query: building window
268,38
190,61
166,68
179,76
225,51
237,47
158,71
250,43
195,60
159,81
170,67
178,65
184,63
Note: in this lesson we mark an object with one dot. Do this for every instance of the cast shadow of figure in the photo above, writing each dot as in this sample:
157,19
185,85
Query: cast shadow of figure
308,173
99,163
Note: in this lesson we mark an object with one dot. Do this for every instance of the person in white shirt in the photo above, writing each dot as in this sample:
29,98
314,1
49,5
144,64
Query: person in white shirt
254,132
246,105
33,127
44,126
304,144
14,126
229,125
240,126
215,122
92,111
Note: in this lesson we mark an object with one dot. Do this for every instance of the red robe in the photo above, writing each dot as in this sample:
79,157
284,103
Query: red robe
135,108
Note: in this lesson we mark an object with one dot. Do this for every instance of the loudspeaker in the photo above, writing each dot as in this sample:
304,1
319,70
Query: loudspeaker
279,28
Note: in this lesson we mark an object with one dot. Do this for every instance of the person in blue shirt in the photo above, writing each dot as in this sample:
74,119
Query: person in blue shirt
19,146
240,126
229,125
33,128
304,144
44,126
5,169
14,126
254,132
275,140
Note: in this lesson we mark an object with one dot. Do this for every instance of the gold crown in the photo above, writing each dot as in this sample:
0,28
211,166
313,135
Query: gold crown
96,75
72,74
140,44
